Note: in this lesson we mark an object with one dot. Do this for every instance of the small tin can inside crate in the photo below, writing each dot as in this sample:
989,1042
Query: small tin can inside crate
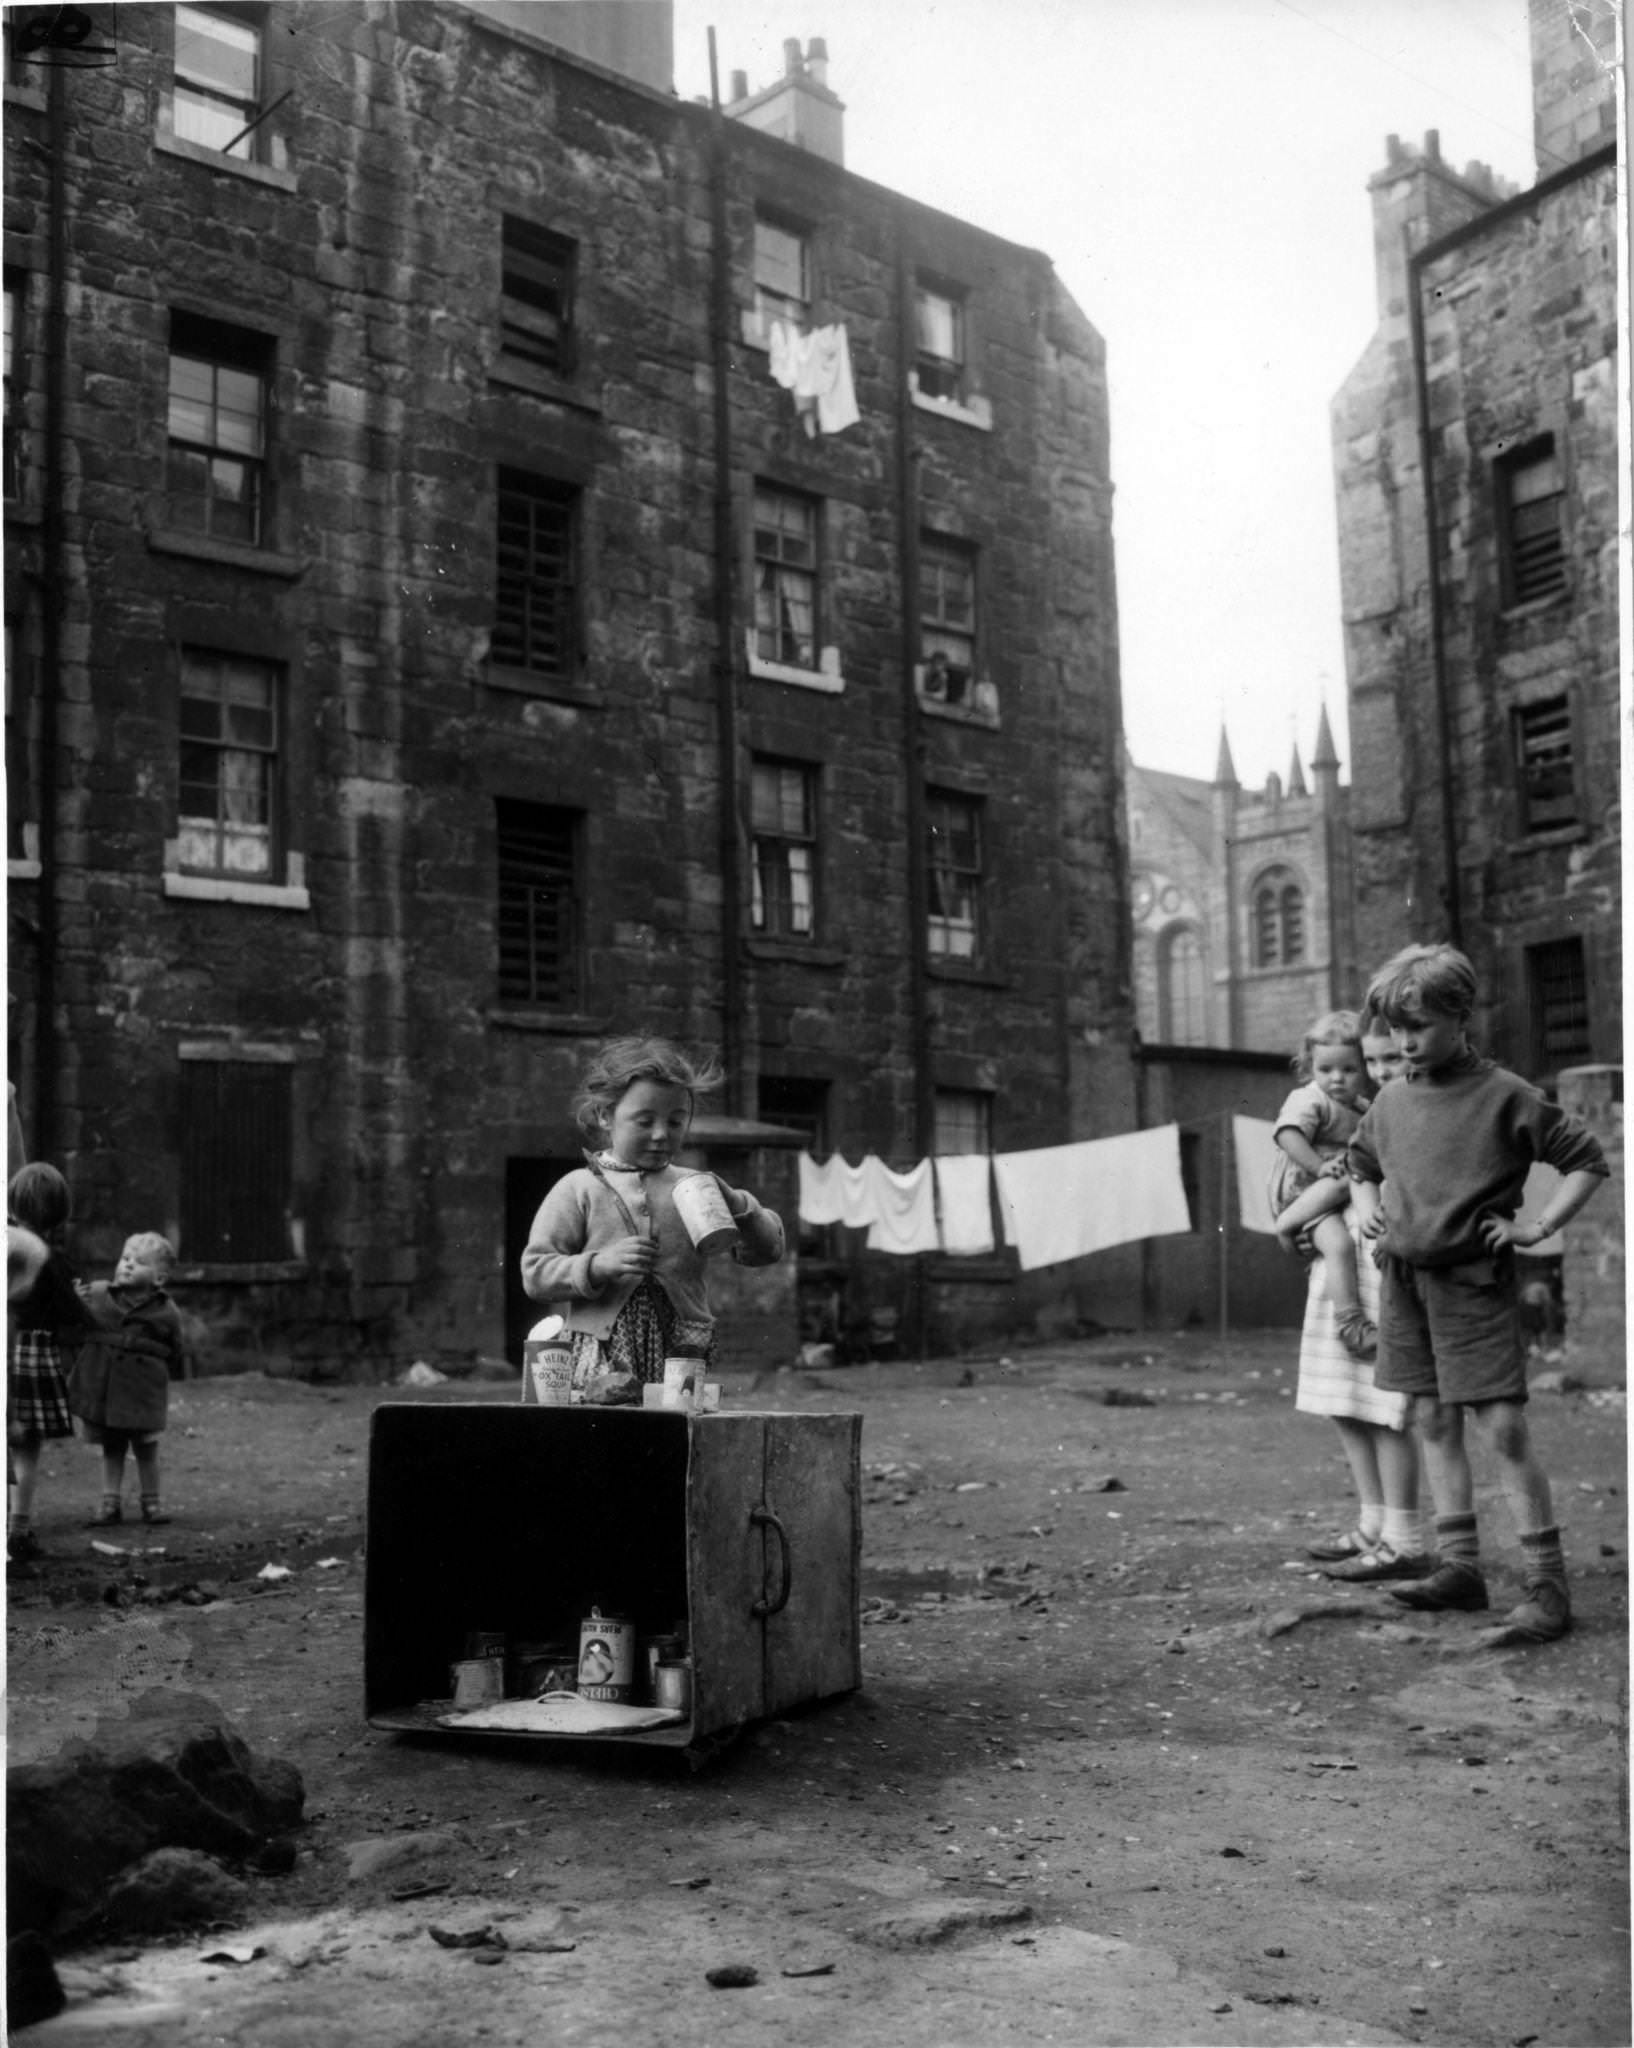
533,1669
606,1657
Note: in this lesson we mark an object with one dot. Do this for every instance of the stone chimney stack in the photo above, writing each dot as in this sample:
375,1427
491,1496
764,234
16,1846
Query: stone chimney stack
1419,197
799,108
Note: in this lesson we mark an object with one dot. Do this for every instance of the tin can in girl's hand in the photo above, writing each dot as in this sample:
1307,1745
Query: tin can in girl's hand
702,1208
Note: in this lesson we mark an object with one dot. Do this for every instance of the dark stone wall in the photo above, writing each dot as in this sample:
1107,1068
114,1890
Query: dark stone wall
366,251
1520,321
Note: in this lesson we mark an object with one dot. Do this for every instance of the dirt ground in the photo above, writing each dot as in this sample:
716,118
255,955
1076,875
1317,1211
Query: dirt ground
1122,1770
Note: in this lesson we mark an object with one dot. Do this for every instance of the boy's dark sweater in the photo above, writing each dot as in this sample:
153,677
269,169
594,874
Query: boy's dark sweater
1453,1148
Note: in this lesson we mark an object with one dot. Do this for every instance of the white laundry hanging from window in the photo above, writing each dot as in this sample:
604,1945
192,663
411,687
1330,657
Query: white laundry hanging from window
816,367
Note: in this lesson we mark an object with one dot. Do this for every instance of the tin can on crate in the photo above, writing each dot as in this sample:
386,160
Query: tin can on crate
533,1669
478,1681
658,1650
606,1657
547,1364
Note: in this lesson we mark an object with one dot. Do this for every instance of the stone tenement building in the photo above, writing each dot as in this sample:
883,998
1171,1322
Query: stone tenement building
1476,461
1241,903
454,616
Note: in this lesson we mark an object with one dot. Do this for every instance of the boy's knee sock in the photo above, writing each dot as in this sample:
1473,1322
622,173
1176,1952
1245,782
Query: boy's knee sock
1458,1540
1545,1559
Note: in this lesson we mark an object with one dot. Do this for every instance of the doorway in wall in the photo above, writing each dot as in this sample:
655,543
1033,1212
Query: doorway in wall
527,1182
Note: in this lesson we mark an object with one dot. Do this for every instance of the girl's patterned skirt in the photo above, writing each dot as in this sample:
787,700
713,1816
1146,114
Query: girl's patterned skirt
36,1389
645,1332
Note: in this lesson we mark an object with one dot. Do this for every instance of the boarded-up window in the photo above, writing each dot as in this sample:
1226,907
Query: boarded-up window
1531,504
1543,765
235,1161
536,586
536,303
539,913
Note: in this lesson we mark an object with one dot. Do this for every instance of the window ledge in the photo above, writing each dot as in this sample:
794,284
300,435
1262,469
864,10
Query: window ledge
975,412
1547,838
517,375
259,895
1518,614
563,1023
239,1270
941,969
25,96
827,677
22,870
993,1265
234,166
985,710
232,554
801,950
522,682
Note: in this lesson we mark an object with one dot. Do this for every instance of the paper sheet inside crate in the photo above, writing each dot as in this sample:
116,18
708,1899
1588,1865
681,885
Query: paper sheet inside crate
561,1713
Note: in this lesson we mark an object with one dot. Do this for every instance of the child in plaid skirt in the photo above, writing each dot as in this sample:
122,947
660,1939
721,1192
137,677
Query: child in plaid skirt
42,1321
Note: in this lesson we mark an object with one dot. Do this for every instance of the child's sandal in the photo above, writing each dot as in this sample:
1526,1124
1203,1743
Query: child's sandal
1351,1544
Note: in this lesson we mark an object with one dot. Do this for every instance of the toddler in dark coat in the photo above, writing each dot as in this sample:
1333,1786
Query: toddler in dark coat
120,1383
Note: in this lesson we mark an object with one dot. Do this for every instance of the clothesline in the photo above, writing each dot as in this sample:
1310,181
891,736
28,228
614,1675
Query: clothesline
1056,1203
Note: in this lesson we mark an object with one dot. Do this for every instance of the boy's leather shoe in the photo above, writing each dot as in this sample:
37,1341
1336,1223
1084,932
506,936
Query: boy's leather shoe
1381,1564
1449,1585
1543,1615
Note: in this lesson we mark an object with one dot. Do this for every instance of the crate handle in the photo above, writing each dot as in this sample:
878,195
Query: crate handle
763,1607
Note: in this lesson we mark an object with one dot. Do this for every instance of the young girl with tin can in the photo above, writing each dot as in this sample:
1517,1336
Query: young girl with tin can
609,1248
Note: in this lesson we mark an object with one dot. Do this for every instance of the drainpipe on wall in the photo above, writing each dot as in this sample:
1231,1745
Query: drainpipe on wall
44,1137
918,877
726,612
1451,893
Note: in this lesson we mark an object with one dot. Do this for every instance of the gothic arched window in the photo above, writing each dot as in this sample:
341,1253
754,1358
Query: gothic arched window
1278,920
1182,989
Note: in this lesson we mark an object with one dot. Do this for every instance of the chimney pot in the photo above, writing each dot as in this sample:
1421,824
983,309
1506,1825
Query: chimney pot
1432,144
740,85
791,57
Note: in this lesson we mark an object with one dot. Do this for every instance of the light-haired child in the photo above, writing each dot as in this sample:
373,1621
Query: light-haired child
120,1383
42,1319
1387,1541
1439,1165
607,1247
1309,1189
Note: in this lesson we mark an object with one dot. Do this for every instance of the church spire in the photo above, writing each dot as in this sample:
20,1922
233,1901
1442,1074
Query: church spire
1296,777
1225,770
1325,756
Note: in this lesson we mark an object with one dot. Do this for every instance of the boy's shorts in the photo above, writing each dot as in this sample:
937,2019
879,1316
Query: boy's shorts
1451,1332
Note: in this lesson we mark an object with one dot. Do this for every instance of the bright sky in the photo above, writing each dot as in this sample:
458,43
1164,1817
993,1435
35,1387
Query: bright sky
1197,171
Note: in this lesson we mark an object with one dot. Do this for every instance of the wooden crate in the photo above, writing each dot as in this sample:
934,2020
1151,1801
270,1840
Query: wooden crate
519,1519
